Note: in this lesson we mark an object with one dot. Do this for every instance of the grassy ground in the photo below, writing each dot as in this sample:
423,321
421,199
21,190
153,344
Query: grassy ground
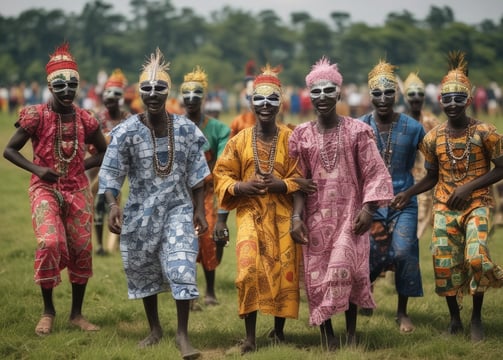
214,330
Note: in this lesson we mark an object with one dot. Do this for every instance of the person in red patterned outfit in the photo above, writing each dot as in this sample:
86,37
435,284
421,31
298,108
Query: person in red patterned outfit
61,200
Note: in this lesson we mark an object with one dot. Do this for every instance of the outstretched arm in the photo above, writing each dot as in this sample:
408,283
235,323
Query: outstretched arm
402,199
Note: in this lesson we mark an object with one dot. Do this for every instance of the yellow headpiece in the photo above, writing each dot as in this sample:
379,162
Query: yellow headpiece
195,79
456,80
382,76
267,82
155,69
413,82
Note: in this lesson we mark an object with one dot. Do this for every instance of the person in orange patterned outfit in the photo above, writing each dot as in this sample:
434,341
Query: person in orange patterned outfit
414,95
458,156
61,201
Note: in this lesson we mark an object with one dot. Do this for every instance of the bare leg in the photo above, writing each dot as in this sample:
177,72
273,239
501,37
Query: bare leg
182,332
402,318
249,344
277,334
351,315
455,326
477,330
76,317
151,310
328,336
210,298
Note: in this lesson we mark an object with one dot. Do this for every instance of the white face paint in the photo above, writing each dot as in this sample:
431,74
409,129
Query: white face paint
154,87
324,88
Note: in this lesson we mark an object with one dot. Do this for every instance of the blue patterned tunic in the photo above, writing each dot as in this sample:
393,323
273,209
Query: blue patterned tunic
157,243
400,251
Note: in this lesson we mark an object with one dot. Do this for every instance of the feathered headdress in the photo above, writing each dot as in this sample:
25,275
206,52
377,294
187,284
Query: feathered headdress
117,80
456,80
196,76
323,70
382,76
268,80
61,64
413,82
155,68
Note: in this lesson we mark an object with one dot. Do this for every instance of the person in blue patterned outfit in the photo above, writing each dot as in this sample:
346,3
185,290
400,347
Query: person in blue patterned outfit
162,156
393,242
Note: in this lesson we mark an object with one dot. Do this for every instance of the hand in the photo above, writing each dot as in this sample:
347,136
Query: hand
307,186
362,222
400,201
48,174
115,219
299,231
221,234
459,199
274,184
251,187
200,223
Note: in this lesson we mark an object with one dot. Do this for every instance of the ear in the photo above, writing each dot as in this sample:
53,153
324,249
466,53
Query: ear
469,102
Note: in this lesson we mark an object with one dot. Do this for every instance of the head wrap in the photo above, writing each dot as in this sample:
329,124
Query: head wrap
116,80
61,64
155,68
196,78
382,76
267,82
413,82
323,70
456,80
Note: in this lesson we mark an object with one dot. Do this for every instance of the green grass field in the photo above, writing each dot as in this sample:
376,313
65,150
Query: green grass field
214,330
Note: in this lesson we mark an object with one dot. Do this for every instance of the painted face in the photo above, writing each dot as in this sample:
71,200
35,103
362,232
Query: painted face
378,94
64,90
324,96
456,99
265,94
192,91
154,87
324,89
115,93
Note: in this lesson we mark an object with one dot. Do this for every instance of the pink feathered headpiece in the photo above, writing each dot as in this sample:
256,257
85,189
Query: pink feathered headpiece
323,70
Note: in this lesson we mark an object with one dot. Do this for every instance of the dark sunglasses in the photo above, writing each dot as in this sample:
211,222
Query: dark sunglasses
388,93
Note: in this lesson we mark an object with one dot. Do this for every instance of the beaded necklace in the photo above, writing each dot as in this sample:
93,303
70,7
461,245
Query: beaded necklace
160,169
464,156
271,157
328,149
387,151
59,152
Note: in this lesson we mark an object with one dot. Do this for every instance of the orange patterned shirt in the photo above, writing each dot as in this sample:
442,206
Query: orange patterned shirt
454,169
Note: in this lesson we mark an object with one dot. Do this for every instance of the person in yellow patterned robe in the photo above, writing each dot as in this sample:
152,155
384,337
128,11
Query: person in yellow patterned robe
255,176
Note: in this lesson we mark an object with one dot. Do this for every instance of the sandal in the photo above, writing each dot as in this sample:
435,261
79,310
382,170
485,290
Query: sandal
83,324
44,326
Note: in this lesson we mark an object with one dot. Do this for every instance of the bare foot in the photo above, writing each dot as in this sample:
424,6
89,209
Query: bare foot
186,349
405,324
152,339
44,326
210,300
83,324
477,331
248,346
455,327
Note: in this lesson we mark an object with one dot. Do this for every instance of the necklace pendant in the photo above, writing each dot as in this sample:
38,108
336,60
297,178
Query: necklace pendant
454,161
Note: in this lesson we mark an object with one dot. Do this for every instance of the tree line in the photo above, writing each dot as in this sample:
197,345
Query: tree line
102,38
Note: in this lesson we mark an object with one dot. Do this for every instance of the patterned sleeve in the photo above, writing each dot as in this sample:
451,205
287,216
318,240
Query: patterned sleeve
428,148
227,173
493,141
294,151
115,165
29,119
198,167
89,122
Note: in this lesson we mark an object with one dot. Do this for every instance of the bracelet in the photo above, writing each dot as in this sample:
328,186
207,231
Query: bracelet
296,216
112,204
